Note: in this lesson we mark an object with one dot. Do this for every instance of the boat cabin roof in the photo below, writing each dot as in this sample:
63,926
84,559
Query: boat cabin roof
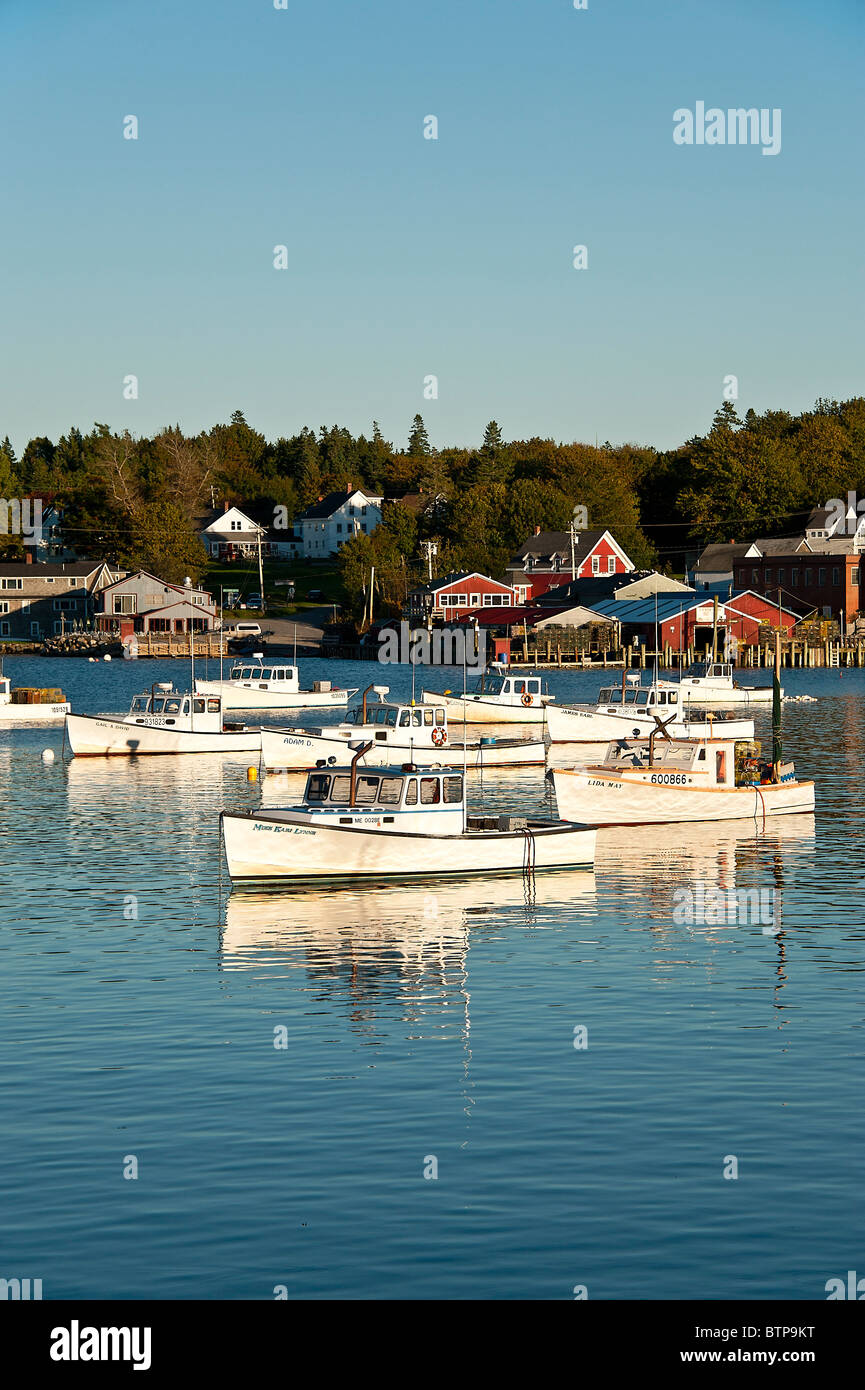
386,787
504,682
704,670
669,755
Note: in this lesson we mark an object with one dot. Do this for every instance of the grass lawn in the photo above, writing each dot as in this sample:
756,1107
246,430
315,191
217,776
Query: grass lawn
318,575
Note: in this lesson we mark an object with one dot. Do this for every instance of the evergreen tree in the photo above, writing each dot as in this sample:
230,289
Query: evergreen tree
418,439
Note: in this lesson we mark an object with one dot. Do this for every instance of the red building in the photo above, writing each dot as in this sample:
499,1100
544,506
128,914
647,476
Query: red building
458,594
550,558
826,581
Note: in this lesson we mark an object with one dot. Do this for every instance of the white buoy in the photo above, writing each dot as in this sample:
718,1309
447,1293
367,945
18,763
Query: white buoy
91,658
47,755
106,658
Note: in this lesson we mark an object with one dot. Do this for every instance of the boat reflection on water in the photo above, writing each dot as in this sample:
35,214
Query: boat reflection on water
398,943
651,867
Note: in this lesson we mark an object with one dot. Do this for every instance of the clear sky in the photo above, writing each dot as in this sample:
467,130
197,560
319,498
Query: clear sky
409,257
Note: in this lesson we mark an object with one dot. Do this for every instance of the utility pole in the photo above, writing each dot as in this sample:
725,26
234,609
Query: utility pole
430,549
260,572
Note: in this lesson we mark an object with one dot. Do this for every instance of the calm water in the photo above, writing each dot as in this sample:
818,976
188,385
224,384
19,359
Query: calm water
425,1022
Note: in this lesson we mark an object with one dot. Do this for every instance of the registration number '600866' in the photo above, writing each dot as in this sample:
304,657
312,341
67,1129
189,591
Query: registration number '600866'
670,779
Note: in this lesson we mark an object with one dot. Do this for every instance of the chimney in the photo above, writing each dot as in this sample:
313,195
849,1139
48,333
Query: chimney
225,506
537,530
28,555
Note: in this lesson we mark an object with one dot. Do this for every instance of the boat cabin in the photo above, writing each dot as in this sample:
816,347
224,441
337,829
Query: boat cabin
406,799
409,723
703,763
518,686
275,676
612,698
165,707
711,671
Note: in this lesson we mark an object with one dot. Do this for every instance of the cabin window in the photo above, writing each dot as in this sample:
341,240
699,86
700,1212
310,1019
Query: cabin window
430,791
139,704
701,756
318,787
265,673
391,790
172,706
440,716
674,697
404,718
428,717
236,673
246,673
662,697
391,718
213,706
453,789
381,715
411,792
158,705
535,687
185,706
720,767
367,790
341,790
198,706
643,697
417,718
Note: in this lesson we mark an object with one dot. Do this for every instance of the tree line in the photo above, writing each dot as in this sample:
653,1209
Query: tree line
140,501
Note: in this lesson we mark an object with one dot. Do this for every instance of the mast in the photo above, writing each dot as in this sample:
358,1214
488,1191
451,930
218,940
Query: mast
776,712
260,572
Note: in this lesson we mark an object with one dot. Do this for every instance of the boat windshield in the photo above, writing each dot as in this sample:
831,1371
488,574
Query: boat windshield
489,685
378,714
242,673
140,703
334,788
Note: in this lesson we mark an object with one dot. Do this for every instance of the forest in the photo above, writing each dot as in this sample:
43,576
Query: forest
140,501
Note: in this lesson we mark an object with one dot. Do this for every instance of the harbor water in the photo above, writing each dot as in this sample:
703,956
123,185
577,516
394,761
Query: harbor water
491,1089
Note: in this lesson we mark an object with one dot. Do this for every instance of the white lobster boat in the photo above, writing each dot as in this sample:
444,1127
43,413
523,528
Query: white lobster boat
499,697
392,822
29,705
713,684
273,685
707,779
629,711
405,732
162,720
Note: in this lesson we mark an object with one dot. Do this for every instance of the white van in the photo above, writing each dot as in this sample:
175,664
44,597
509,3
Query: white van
247,630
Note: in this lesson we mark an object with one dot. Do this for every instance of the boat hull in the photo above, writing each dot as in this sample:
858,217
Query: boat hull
250,697
262,849
33,714
293,750
475,710
705,693
568,725
97,736
594,796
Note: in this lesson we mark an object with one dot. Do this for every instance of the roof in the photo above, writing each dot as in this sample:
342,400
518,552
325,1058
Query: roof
164,583
601,586
643,610
46,568
551,544
326,506
499,616
457,577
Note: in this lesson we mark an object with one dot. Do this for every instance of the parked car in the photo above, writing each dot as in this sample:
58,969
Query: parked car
247,630
253,601
314,594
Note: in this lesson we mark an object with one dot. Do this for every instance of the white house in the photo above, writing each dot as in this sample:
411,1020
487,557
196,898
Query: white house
335,519
232,535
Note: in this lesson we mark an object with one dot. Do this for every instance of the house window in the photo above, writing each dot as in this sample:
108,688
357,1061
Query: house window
47,581
741,581
827,610
854,577
490,600
4,629
794,578
58,625
339,528
780,577
35,630
596,564
73,582
755,576
474,600
460,600
125,603
611,564
809,575
4,607
13,583
821,576
769,575
836,576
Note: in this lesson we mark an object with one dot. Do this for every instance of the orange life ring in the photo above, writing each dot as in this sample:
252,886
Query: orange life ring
528,699
438,737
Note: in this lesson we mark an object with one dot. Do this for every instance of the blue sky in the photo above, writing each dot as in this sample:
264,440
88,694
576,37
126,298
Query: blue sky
410,257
